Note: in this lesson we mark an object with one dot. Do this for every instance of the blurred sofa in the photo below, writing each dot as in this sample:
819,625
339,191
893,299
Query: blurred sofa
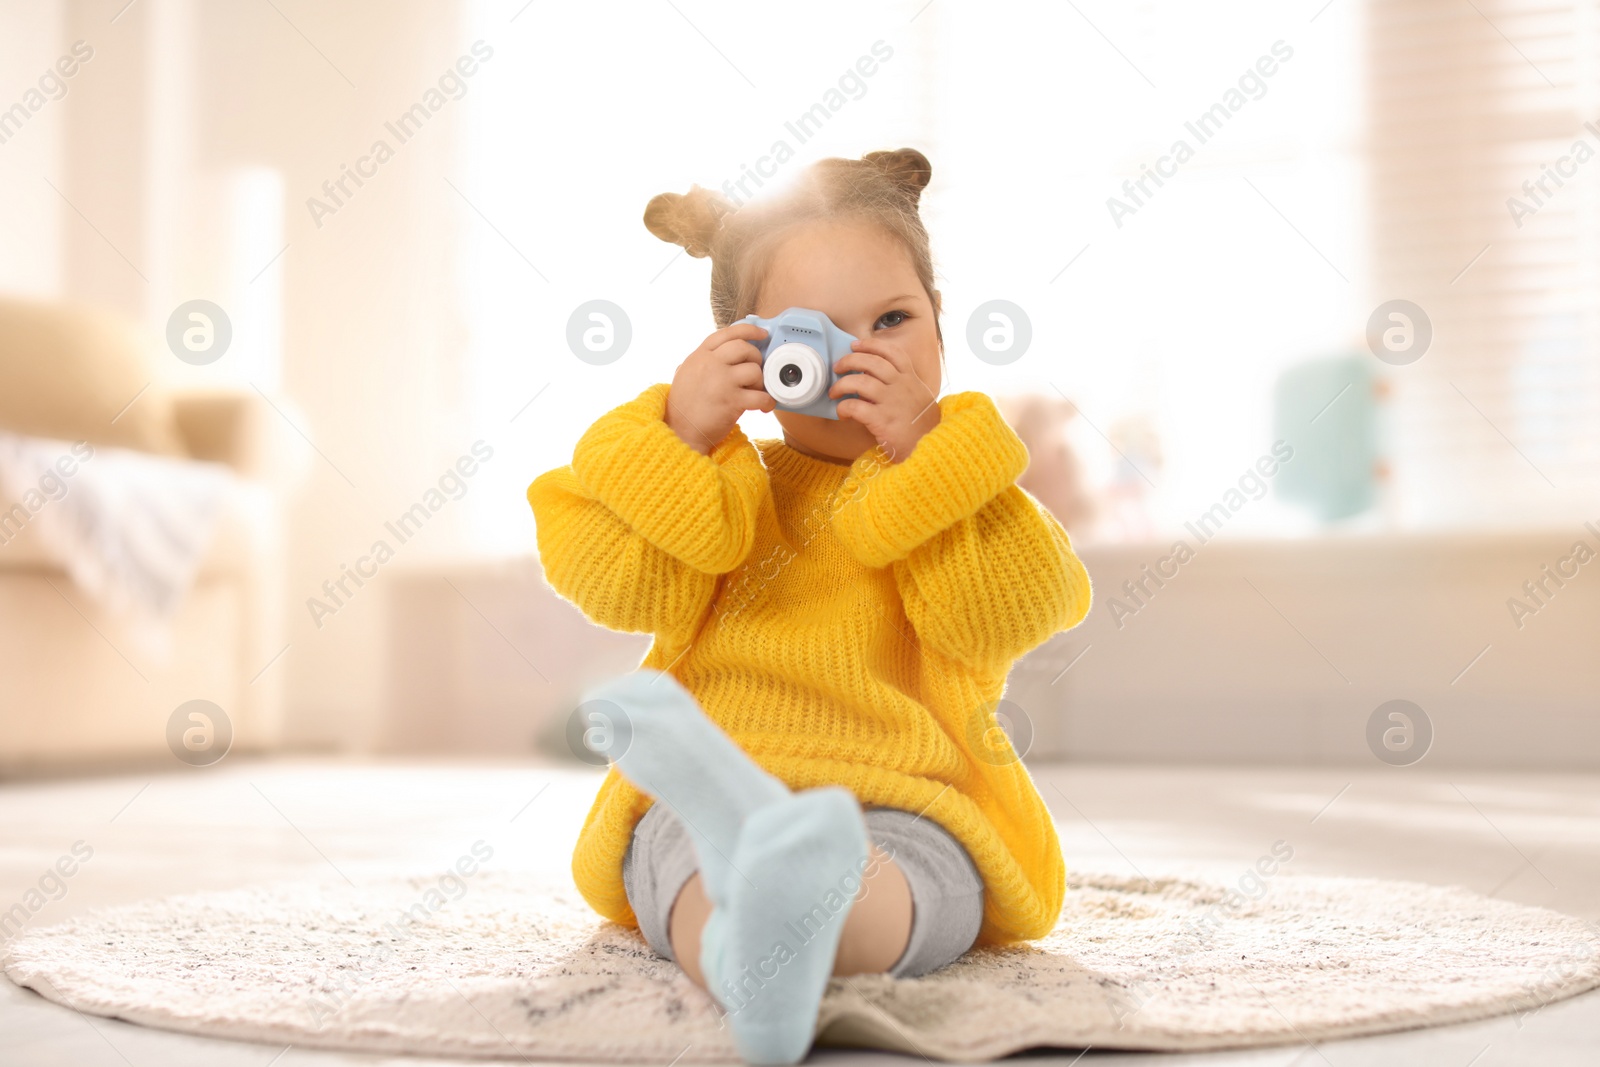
84,686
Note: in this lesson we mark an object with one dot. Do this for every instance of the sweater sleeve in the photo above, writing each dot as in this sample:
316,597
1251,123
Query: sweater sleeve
636,529
984,571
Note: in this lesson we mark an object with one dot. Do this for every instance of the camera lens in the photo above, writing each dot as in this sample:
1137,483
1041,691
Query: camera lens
790,374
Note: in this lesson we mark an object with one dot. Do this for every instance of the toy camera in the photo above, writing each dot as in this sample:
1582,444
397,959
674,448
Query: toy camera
797,358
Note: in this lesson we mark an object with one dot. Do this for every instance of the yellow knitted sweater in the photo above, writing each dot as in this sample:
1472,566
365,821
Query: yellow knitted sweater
845,625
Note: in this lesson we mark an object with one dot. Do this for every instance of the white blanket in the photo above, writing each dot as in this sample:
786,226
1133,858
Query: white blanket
129,527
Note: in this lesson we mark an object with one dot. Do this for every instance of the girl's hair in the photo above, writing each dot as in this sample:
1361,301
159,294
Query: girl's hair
881,188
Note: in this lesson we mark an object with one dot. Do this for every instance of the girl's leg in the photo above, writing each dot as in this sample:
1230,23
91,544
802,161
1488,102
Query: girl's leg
876,928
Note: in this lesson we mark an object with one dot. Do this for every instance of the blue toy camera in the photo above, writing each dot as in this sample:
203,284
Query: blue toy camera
797,358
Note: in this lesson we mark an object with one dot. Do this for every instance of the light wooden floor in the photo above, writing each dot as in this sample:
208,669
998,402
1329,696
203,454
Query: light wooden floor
1529,838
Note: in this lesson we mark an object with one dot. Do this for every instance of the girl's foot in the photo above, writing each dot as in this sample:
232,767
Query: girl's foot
768,952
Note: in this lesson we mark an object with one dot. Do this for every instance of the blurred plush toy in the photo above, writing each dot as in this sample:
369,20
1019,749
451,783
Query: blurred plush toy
1055,475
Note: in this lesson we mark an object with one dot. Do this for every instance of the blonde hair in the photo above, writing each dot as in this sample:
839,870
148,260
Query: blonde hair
882,188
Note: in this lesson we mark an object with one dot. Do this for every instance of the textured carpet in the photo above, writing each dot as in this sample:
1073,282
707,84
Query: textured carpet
513,970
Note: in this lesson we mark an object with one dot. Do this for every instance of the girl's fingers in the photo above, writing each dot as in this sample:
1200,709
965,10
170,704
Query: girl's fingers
756,400
735,351
871,362
746,374
860,411
864,385
898,359
738,331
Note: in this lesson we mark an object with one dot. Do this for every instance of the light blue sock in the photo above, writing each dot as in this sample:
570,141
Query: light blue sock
768,954
670,749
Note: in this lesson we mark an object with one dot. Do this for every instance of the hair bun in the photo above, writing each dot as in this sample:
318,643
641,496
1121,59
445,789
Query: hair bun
691,220
906,167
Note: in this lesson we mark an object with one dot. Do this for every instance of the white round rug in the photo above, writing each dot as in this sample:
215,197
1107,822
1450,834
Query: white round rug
512,969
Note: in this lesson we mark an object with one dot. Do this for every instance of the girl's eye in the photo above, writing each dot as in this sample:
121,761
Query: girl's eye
898,316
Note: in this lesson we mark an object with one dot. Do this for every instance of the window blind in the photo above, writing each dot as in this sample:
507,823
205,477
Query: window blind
1483,121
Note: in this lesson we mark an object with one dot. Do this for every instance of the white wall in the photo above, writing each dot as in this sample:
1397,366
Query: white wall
30,246
372,336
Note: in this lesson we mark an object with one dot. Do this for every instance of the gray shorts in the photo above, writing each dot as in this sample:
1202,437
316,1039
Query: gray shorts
946,892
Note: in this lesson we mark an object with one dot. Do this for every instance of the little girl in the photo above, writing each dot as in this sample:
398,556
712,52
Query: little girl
808,777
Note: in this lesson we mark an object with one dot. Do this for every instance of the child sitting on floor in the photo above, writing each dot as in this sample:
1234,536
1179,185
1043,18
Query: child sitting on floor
809,778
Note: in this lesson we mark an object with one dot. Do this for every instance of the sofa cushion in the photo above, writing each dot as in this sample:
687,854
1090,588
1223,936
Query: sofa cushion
67,371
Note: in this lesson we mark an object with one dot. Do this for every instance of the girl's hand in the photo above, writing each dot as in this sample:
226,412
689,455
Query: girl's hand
895,405
718,382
